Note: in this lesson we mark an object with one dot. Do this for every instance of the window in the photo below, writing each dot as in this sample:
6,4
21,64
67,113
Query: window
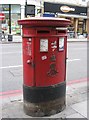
15,15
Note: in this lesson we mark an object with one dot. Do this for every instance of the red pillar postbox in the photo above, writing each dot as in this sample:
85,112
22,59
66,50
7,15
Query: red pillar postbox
44,65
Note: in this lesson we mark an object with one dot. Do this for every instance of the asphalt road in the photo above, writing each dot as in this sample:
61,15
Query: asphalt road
11,73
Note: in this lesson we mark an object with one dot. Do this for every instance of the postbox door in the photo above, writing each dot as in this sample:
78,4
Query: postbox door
50,58
28,61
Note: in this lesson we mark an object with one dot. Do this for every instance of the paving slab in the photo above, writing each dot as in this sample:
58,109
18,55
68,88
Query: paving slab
76,115
15,110
81,108
5,101
75,97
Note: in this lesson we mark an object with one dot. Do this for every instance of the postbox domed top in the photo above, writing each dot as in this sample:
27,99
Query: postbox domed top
44,21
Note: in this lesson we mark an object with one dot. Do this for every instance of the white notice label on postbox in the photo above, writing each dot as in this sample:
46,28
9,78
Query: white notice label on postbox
61,44
43,45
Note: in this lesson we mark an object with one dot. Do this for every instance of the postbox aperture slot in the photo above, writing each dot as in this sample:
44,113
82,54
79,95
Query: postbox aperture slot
43,32
43,45
61,31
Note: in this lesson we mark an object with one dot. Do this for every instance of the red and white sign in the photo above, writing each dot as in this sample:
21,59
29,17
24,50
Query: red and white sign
2,16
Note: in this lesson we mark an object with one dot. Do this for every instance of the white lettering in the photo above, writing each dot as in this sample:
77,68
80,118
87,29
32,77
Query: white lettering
66,9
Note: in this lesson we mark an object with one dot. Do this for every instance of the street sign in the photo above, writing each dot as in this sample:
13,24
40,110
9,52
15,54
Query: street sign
2,16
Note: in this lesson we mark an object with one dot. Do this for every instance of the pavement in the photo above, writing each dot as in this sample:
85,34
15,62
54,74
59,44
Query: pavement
76,102
18,39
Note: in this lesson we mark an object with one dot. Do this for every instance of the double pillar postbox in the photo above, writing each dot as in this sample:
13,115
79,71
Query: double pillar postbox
44,65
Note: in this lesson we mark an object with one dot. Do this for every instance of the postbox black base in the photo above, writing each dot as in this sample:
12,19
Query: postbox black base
44,101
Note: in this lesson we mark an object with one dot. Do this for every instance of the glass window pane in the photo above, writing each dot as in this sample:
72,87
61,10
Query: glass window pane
15,8
5,8
15,28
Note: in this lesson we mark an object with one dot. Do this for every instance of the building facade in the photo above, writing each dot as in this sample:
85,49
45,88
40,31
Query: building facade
73,10
76,12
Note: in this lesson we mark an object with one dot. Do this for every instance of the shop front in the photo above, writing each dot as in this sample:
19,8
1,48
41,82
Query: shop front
12,14
77,15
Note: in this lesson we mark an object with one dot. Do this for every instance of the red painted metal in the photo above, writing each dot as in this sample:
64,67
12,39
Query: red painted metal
48,68
44,21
